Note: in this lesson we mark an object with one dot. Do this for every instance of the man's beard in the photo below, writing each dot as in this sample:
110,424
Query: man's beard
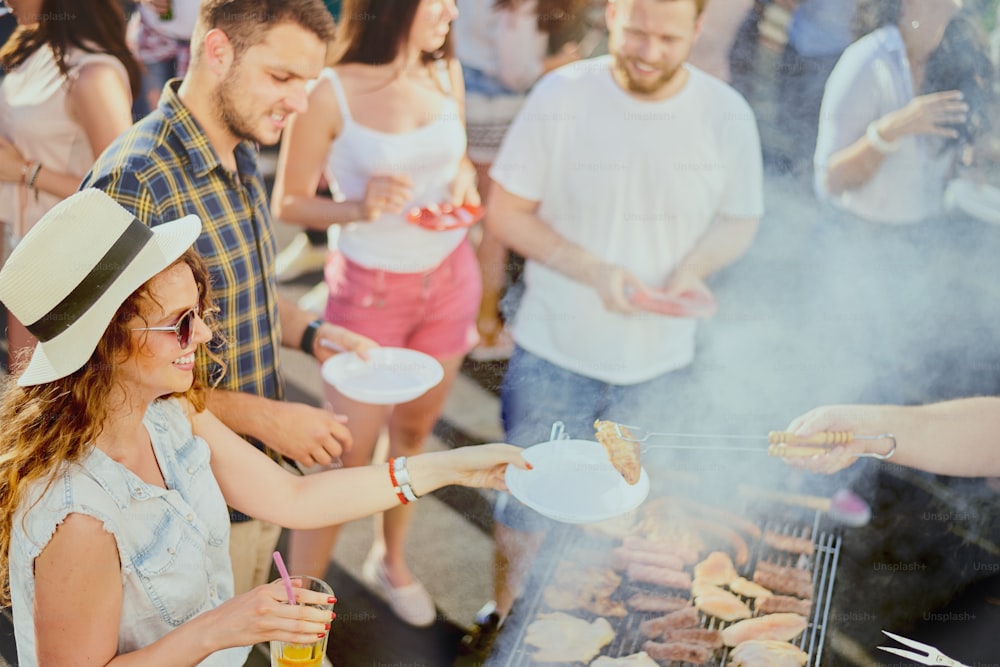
228,113
644,87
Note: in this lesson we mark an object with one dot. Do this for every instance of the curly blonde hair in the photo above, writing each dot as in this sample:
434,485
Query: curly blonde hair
48,425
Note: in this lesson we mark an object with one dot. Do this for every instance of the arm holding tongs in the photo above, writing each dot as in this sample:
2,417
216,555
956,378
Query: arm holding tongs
959,438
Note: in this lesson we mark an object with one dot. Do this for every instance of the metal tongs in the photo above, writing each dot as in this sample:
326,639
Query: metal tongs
932,657
782,443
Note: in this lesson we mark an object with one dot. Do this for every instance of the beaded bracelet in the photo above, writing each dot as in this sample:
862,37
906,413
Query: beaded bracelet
400,478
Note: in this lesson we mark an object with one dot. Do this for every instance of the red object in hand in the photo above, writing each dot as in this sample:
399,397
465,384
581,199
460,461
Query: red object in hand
445,217
687,304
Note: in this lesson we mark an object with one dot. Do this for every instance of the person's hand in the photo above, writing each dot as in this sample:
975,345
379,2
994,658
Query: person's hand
340,339
263,614
834,418
463,189
310,436
483,466
683,281
614,284
11,162
927,114
386,193
158,6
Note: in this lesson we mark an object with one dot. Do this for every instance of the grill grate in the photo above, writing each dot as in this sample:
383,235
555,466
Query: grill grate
564,544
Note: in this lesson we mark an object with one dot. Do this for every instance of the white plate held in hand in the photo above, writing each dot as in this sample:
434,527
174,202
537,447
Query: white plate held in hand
573,481
390,375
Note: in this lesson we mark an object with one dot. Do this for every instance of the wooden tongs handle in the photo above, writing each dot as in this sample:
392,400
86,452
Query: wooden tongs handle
822,438
787,444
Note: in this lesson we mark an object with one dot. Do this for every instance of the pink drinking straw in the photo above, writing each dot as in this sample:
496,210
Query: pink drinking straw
284,577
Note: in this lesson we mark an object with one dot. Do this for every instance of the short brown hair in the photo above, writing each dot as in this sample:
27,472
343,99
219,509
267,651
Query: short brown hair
699,5
246,22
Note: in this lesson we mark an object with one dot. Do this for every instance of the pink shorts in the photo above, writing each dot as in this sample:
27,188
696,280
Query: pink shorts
433,312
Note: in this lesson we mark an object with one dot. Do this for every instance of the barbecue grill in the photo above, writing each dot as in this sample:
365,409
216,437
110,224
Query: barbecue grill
566,541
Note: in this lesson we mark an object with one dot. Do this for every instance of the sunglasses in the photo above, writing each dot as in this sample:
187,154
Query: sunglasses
183,329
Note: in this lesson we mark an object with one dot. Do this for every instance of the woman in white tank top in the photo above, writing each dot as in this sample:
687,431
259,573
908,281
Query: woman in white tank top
385,127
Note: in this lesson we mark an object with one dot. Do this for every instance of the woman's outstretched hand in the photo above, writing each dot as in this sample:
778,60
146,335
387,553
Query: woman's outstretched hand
479,466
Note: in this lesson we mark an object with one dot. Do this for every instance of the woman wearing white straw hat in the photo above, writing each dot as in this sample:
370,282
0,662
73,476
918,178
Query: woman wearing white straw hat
114,479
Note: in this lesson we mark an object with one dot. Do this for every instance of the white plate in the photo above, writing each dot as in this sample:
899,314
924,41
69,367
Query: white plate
574,482
391,375
978,200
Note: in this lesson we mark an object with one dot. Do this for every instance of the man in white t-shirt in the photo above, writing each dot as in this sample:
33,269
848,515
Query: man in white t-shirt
621,174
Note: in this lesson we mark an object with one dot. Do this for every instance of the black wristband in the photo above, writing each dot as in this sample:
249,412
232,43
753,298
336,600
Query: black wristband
309,337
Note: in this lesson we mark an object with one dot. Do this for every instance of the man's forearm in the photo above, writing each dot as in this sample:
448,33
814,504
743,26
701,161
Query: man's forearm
959,438
529,236
726,240
294,321
244,413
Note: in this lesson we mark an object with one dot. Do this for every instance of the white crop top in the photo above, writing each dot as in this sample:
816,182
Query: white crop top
429,155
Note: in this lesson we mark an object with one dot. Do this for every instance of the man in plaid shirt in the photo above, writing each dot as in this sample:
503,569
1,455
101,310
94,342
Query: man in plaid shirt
197,154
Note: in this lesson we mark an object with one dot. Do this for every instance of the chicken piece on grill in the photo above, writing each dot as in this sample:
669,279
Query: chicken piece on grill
640,659
782,627
567,639
748,589
585,587
700,588
723,605
623,450
717,569
767,653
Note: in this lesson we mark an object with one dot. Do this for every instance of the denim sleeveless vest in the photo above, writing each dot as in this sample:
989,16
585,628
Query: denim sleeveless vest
173,543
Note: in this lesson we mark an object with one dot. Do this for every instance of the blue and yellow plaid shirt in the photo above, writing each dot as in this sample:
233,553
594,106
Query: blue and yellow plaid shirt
164,168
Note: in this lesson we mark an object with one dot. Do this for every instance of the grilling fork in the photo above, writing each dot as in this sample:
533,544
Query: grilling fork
782,443
932,657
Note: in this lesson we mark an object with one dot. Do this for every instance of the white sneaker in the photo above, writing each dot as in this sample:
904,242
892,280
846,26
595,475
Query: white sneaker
315,299
299,257
411,603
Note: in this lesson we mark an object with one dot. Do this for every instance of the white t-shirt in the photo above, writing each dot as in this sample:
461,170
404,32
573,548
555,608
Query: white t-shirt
635,182
871,79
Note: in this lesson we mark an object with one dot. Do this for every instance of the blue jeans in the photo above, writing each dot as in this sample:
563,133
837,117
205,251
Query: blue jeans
478,81
536,393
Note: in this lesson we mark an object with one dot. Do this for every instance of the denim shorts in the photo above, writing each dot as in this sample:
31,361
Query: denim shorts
536,393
